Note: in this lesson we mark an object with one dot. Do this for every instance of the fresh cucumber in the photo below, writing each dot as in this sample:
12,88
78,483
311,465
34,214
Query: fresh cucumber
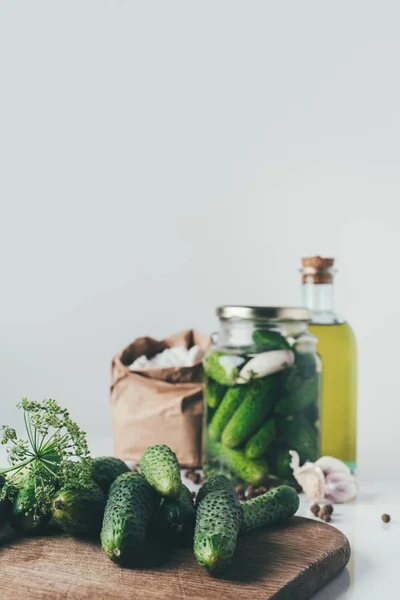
246,469
215,483
80,511
306,363
282,465
265,339
214,393
223,367
4,503
160,468
229,404
218,520
260,442
301,397
255,407
176,519
23,517
131,506
106,469
273,507
300,436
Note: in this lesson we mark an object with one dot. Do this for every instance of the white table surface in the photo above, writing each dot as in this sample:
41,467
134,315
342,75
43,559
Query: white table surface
374,567
372,572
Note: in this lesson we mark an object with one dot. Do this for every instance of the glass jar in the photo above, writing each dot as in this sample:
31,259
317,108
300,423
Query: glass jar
262,394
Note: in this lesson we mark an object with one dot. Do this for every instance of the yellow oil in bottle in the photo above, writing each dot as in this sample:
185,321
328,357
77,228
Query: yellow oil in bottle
338,351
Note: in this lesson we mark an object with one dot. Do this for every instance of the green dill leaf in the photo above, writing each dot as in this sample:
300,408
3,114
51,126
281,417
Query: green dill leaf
55,453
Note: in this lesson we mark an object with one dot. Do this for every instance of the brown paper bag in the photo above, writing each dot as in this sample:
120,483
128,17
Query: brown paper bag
158,406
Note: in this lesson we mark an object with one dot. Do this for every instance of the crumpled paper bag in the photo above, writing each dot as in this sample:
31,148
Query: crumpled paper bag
158,406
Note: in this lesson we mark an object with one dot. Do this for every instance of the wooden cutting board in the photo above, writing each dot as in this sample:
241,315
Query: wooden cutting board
290,562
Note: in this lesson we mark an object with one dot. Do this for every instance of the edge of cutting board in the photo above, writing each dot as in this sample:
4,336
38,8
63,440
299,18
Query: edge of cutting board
290,562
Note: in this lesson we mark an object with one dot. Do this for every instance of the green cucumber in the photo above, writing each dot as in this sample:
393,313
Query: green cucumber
292,379
225,371
229,404
265,340
300,436
23,517
5,504
131,506
255,407
215,483
282,465
106,469
312,413
160,467
246,469
176,519
260,442
218,521
79,511
273,507
185,494
214,393
299,398
306,363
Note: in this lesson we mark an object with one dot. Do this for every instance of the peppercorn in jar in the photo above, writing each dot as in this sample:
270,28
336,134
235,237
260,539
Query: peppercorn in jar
262,394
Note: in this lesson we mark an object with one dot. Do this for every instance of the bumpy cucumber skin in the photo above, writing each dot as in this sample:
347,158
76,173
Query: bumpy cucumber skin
22,517
176,519
131,507
300,436
80,511
215,483
229,404
260,442
218,521
270,340
299,398
275,506
255,407
216,371
252,471
106,469
185,494
160,467
214,393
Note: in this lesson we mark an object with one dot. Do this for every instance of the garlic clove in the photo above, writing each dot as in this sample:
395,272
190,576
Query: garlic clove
266,363
230,362
329,464
310,477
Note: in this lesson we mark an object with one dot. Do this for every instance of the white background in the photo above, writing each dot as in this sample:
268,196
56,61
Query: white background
160,158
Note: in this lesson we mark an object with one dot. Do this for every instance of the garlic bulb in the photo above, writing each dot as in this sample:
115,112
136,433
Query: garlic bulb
329,464
328,479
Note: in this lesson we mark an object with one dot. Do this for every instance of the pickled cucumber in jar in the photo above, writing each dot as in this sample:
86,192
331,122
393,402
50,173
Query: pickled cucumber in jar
262,394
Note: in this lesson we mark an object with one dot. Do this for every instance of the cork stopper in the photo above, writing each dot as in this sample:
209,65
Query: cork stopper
317,269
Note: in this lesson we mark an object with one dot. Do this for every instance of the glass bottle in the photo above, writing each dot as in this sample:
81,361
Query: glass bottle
338,351
262,394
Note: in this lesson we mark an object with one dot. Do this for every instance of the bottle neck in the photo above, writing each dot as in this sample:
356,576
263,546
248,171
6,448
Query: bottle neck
319,299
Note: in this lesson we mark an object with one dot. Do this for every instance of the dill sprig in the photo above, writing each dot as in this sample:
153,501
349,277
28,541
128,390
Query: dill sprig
55,453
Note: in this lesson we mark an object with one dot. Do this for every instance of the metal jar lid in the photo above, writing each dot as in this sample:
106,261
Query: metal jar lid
271,313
